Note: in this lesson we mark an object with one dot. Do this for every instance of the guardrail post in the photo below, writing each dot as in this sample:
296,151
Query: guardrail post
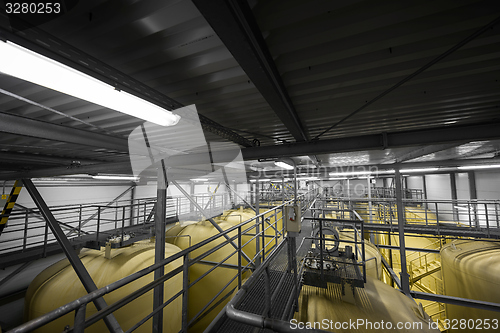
239,257
487,218
80,221
185,293
79,326
25,238
45,239
123,224
98,223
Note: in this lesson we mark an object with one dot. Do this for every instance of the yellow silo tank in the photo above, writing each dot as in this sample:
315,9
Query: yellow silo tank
374,308
58,285
471,269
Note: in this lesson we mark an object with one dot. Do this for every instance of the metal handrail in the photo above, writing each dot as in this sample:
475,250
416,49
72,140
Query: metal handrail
82,301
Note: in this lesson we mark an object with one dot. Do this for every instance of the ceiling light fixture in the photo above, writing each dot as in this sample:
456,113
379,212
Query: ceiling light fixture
116,177
30,66
419,170
283,165
473,167
199,179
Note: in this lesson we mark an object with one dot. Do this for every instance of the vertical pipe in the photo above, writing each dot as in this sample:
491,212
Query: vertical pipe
239,257
79,326
487,218
473,195
45,239
282,189
116,215
454,196
496,214
123,224
405,282
98,224
185,293
257,211
263,239
80,221
25,238
132,199
161,199
424,185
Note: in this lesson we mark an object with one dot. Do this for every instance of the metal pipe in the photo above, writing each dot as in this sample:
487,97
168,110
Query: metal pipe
185,292
415,249
483,305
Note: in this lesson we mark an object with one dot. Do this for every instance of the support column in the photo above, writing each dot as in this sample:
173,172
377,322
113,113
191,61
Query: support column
370,208
132,210
454,196
160,211
424,185
405,277
73,258
473,195
257,224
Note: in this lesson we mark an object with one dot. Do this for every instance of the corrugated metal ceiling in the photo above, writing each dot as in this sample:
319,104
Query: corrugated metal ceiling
332,56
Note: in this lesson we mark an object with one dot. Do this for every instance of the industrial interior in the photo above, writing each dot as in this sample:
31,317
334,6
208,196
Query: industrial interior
250,166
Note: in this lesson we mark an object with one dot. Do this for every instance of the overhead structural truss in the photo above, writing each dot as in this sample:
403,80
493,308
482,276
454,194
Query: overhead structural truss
234,23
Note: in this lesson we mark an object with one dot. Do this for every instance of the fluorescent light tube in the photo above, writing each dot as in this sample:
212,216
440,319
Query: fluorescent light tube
264,180
419,170
116,177
33,67
472,167
199,179
284,165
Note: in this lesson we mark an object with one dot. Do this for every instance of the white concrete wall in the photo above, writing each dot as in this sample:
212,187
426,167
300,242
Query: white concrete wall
488,185
69,195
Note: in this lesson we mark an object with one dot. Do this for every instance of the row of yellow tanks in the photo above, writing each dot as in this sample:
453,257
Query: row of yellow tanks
58,284
466,268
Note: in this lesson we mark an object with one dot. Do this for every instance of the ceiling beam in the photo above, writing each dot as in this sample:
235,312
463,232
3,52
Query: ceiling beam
13,124
45,44
440,135
234,23
422,152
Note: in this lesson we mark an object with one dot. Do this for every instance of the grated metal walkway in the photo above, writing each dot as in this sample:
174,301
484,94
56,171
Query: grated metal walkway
254,300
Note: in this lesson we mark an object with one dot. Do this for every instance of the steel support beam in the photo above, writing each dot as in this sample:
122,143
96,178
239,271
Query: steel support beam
423,151
234,23
379,141
405,277
73,258
14,124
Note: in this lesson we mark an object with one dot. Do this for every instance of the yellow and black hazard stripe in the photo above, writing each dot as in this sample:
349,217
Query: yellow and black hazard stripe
9,205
